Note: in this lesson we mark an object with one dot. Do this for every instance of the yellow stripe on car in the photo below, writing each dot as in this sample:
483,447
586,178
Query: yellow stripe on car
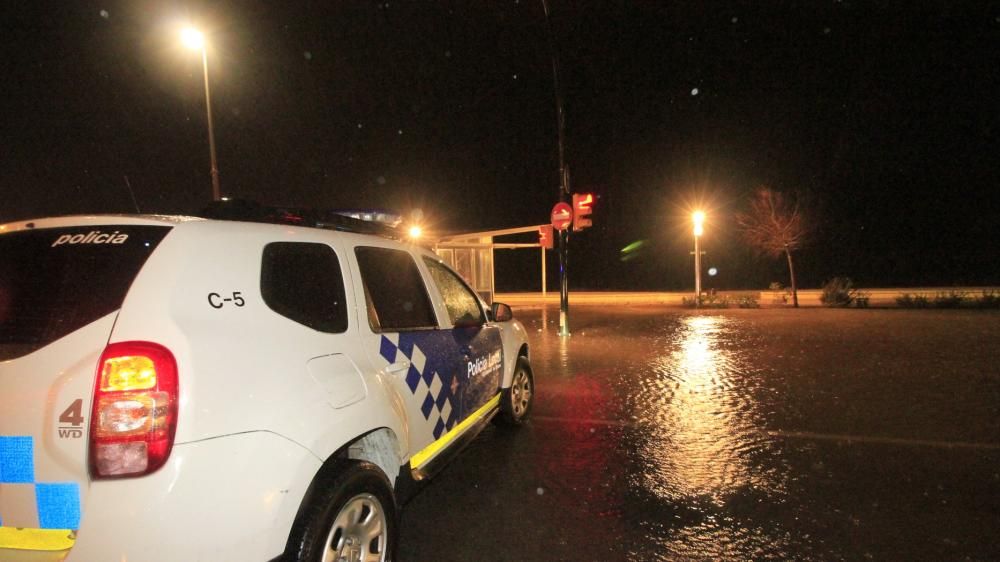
421,458
36,539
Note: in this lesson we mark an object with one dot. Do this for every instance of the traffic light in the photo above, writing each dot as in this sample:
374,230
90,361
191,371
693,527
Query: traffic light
582,210
545,236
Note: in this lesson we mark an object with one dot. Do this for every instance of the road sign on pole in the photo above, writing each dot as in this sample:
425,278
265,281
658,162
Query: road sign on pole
562,216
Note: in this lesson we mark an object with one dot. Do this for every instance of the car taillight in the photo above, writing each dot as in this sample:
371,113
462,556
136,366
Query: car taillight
134,415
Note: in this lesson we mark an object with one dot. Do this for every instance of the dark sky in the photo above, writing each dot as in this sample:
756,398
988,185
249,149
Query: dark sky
883,117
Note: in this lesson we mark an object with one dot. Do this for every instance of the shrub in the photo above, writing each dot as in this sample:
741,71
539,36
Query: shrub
951,299
709,300
861,299
838,291
906,300
989,299
748,301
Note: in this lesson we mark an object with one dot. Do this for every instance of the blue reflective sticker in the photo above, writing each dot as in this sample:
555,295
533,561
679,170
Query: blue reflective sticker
58,505
413,378
387,350
17,464
426,407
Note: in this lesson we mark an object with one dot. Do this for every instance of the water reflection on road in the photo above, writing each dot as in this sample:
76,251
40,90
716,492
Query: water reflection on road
665,434
700,437
678,398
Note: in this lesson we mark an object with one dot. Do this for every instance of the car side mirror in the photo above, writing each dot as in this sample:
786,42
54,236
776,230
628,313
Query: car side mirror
502,312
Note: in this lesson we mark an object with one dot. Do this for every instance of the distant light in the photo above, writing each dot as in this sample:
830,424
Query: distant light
416,232
712,271
192,38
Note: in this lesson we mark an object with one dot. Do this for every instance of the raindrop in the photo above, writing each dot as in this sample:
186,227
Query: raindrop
307,55
515,77
360,125
540,491
826,31
105,14
735,19
447,54
694,91
380,180
400,131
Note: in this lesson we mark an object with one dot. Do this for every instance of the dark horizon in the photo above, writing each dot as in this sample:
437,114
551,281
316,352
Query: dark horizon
882,118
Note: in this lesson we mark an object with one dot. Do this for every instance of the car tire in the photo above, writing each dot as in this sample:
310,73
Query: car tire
516,401
352,516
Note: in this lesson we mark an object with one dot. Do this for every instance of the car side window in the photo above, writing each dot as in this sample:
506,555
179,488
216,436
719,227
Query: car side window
462,304
303,281
395,293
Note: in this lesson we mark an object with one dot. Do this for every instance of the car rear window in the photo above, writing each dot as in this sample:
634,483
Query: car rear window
302,281
54,281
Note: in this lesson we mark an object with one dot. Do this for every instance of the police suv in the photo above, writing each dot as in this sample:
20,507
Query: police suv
179,388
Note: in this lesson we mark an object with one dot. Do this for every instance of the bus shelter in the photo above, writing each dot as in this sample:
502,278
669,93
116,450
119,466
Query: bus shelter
471,255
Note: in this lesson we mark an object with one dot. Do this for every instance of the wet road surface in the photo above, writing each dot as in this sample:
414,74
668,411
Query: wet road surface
665,434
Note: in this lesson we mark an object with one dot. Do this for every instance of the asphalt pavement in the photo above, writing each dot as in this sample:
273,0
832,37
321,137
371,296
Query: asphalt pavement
669,434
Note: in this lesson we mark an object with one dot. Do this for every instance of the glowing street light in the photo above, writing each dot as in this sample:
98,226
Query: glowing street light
416,232
194,40
698,218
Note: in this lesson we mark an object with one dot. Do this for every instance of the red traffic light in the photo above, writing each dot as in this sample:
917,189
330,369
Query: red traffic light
581,210
545,239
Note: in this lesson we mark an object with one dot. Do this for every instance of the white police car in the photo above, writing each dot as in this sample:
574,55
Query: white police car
176,388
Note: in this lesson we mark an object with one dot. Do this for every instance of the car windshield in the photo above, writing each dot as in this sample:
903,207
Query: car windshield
55,281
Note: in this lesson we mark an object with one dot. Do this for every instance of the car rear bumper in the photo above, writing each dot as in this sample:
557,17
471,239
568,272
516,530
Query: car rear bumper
227,498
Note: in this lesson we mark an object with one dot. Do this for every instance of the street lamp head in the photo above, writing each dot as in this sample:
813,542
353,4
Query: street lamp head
416,232
192,38
698,218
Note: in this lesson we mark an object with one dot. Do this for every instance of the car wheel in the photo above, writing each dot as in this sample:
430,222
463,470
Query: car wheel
351,517
515,402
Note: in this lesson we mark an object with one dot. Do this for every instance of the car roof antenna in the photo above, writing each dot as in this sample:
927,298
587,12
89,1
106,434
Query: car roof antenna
132,193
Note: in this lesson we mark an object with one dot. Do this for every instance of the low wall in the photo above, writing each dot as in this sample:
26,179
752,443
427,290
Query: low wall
807,297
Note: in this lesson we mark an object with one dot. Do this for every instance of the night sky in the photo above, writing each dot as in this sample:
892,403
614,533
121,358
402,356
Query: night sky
884,118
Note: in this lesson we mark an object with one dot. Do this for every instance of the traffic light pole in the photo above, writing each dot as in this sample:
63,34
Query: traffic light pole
563,180
563,282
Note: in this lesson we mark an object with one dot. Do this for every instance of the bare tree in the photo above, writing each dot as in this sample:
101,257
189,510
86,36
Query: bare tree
773,226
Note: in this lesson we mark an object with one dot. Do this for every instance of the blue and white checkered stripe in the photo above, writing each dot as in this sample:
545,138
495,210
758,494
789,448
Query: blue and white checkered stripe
57,503
429,383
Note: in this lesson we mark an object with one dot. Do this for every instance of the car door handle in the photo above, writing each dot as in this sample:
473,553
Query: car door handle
398,366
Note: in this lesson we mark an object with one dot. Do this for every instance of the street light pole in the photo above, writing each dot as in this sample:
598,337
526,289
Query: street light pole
216,190
193,39
698,218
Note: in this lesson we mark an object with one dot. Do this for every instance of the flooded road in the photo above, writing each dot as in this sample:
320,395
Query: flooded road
665,434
